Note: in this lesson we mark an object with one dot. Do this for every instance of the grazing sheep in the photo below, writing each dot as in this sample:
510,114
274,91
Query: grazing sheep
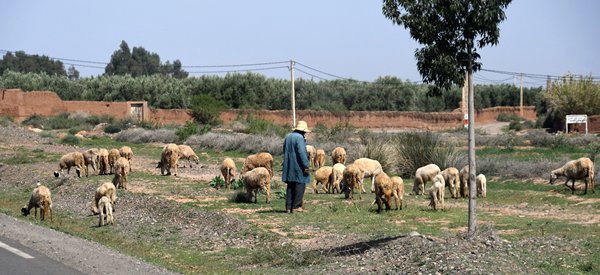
579,169
384,191
319,159
437,192
321,176
40,198
338,155
127,153
255,179
464,181
113,155
311,152
107,189
228,171
105,207
263,159
188,153
371,168
103,161
352,178
90,157
121,171
69,160
168,159
423,175
399,190
481,185
335,180
452,178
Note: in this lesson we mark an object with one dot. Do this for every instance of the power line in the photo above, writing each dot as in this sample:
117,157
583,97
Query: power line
235,71
236,65
322,72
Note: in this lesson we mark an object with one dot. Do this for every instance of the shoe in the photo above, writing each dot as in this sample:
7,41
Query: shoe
299,209
288,211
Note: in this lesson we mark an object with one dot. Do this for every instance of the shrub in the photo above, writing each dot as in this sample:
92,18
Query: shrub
206,109
238,142
265,127
70,139
34,120
217,182
341,132
375,146
112,129
508,117
6,120
190,128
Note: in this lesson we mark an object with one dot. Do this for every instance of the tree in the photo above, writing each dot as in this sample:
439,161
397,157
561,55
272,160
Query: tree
26,63
140,62
451,31
72,73
206,109
571,95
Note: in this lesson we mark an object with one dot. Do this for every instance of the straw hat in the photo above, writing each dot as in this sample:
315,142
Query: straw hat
302,126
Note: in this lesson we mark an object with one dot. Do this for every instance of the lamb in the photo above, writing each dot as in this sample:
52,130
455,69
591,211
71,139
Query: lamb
311,152
399,190
113,155
423,175
338,155
40,198
102,161
263,159
321,176
335,180
127,153
481,185
90,157
452,178
371,168
579,169
168,159
106,211
228,171
437,193
353,175
73,159
255,179
188,153
107,189
319,159
121,171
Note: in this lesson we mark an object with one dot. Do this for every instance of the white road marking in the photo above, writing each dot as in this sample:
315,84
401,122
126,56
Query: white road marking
16,251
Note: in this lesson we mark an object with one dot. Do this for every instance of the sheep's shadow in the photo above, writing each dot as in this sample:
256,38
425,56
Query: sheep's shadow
356,248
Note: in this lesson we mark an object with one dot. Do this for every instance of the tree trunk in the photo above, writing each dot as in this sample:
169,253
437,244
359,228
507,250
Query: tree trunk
472,185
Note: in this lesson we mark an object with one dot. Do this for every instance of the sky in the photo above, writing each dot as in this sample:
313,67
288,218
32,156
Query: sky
328,38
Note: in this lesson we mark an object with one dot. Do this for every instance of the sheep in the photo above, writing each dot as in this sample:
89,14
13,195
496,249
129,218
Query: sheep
255,179
352,178
336,177
40,198
107,189
481,185
579,169
311,152
90,157
69,160
437,192
168,159
113,155
263,159
399,190
464,181
228,171
121,171
384,192
371,168
127,153
452,178
319,160
338,155
423,175
105,207
188,153
321,176
102,161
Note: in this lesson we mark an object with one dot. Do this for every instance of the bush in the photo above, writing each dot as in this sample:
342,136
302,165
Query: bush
6,120
112,129
341,132
34,120
265,127
206,109
238,142
70,139
376,146
508,117
189,129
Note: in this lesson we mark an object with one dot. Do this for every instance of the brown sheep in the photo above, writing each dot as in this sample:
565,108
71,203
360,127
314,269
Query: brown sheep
263,159
127,153
228,171
102,161
257,178
335,180
311,152
399,190
188,153
321,176
319,159
73,159
90,157
352,177
452,178
579,169
113,155
40,198
106,189
168,159
384,191
437,193
423,175
121,172
464,181
338,155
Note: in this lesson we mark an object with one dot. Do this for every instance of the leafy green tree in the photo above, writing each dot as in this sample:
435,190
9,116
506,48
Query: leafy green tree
26,63
452,31
205,109
140,62
572,95
72,73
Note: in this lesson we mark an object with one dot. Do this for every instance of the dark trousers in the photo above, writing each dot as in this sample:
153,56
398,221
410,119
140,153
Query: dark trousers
294,194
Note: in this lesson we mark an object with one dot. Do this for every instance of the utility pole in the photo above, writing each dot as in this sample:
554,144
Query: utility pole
521,100
548,85
293,94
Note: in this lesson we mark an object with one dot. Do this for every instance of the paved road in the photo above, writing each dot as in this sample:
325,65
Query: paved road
17,259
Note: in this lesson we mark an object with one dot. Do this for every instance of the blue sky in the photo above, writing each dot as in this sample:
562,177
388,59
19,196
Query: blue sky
345,38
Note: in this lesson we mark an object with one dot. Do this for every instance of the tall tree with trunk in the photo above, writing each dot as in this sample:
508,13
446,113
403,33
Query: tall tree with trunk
451,32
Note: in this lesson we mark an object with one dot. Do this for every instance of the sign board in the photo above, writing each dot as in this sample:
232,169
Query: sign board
466,121
572,119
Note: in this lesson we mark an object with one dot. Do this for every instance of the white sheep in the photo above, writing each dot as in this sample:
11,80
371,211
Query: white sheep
90,157
399,190
106,212
188,153
127,153
423,175
263,159
319,159
311,152
73,159
579,169
113,155
228,170
452,178
437,192
168,159
40,198
106,189
255,179
121,171
321,176
103,161
464,181
481,185
336,177
338,155
371,168
353,176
